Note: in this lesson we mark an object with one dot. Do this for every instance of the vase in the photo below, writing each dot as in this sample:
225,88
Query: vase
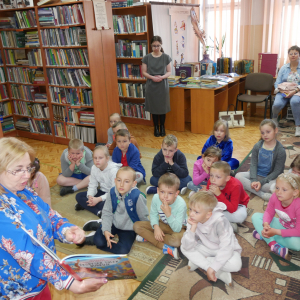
204,65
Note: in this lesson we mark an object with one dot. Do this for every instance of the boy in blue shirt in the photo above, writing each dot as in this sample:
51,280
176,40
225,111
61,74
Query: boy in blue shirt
170,208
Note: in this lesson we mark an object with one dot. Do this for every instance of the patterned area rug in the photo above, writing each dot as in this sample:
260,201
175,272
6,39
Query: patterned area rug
143,256
264,276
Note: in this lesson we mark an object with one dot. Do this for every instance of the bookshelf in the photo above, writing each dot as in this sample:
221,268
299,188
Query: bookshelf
133,63
65,66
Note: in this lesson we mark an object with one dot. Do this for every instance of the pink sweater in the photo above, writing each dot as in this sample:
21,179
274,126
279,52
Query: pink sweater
199,174
289,217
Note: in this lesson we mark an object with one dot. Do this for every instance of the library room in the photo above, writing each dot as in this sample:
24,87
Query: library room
137,132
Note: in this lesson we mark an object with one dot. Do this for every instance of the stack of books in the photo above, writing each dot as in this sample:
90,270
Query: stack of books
173,80
40,97
38,77
32,39
86,117
23,124
7,22
8,124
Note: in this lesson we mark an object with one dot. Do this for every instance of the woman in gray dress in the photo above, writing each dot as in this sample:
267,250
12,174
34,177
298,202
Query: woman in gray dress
156,68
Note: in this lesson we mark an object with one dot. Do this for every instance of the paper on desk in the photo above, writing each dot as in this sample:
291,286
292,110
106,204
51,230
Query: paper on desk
100,14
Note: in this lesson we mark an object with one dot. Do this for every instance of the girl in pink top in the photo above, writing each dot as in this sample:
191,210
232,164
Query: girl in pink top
39,183
284,233
202,167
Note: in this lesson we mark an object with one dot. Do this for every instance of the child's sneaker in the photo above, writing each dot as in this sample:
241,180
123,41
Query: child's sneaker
183,190
256,235
150,190
92,225
140,238
191,194
225,277
171,250
280,250
89,240
192,266
66,190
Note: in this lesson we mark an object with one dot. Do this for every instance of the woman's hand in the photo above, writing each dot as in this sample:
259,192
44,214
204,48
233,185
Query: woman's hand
75,235
87,285
291,94
156,78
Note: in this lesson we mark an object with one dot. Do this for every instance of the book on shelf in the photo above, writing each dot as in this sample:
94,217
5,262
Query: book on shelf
23,124
25,19
2,75
129,24
130,71
127,48
86,134
118,3
43,2
59,129
5,109
134,90
25,75
28,93
134,110
3,92
13,39
267,63
68,77
8,124
86,117
11,4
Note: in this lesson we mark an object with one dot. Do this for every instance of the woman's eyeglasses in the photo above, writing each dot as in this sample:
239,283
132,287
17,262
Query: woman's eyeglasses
21,172
156,46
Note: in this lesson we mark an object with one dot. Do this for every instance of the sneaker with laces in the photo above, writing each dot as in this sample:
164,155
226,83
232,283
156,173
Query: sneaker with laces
256,235
171,250
78,207
66,190
191,194
280,250
150,190
89,240
140,238
183,190
92,225
297,132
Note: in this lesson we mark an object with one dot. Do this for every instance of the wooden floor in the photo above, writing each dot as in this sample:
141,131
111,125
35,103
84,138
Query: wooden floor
49,155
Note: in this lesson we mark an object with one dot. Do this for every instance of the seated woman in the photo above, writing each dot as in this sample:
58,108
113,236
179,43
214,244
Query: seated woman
289,73
26,268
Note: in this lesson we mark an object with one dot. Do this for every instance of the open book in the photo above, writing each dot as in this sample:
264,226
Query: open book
82,266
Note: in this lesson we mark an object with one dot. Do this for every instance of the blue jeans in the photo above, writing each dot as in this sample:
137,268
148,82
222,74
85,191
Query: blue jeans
126,239
183,181
194,187
82,199
292,242
280,102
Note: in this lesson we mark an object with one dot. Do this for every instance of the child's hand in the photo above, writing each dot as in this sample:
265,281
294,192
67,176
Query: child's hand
256,185
71,160
215,190
265,230
205,168
78,160
269,232
93,200
165,207
75,235
193,224
211,274
158,233
108,235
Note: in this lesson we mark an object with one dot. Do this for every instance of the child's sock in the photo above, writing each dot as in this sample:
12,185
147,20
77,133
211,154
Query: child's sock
279,249
225,277
256,235
192,266
171,250
140,238
75,189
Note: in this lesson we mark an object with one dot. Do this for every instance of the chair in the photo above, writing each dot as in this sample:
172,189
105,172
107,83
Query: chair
258,83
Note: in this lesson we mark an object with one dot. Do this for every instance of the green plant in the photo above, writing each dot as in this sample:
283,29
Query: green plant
217,43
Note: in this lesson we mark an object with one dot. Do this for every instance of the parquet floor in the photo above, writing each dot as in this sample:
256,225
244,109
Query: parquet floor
49,155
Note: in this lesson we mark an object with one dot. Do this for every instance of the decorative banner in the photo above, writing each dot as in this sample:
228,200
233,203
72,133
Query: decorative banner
179,20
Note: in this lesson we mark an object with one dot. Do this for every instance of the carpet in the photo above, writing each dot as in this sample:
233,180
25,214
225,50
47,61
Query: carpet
264,275
143,256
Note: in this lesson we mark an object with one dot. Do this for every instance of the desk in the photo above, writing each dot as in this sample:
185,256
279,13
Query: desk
202,105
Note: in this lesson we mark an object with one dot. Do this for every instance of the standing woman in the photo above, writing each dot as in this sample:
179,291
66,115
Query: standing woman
289,78
156,68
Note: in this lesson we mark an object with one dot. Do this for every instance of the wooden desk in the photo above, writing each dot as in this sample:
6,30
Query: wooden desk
203,105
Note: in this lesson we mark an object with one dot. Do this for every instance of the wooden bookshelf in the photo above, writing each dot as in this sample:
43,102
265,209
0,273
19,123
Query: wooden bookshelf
102,67
141,10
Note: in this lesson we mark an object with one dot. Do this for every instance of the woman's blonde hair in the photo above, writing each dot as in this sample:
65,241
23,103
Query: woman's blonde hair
292,179
226,128
12,150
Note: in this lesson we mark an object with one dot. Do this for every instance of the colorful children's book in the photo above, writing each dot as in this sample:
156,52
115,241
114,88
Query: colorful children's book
82,266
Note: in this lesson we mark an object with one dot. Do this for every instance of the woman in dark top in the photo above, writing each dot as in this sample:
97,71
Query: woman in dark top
156,68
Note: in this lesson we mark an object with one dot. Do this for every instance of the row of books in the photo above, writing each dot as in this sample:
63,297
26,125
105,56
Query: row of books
3,92
25,75
71,115
40,111
20,19
35,126
130,71
67,57
5,109
57,37
244,66
86,134
127,48
28,93
11,4
8,124
20,57
134,90
129,24
61,15
13,39
2,75
134,110
76,97
125,3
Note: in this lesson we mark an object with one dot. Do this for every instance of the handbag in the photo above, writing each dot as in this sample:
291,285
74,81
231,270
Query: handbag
234,118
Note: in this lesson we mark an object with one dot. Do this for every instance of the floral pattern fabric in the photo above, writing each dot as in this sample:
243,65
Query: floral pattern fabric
25,268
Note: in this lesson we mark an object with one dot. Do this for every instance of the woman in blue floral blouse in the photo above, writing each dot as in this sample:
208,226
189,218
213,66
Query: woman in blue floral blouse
25,269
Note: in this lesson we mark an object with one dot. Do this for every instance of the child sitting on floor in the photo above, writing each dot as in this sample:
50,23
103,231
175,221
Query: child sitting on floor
76,163
267,162
39,183
103,173
209,242
128,155
202,167
284,233
220,138
172,160
113,119
230,191
167,217
124,206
